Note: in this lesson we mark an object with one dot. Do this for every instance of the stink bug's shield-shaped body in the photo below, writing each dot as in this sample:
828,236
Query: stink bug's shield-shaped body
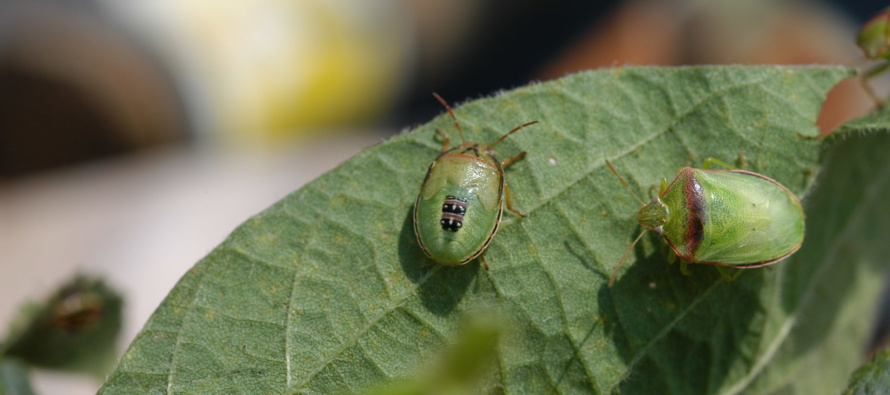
459,206
732,218
461,201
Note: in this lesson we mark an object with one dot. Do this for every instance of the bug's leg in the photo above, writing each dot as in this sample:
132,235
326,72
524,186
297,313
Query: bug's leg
652,192
507,187
672,257
709,162
684,269
664,186
729,274
743,164
484,262
513,159
509,199
447,140
706,164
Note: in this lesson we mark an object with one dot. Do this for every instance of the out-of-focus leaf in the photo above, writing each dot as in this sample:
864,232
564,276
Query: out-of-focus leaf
14,378
75,329
459,368
873,377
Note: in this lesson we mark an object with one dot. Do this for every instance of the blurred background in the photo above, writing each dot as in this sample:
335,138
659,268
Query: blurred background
135,135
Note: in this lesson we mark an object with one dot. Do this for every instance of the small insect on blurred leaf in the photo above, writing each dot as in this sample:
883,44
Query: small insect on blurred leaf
75,329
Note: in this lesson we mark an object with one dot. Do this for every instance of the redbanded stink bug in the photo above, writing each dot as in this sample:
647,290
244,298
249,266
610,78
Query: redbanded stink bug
461,201
727,218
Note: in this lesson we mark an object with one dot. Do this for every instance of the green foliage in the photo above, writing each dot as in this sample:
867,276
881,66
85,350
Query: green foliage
457,370
873,377
327,291
874,37
14,378
75,329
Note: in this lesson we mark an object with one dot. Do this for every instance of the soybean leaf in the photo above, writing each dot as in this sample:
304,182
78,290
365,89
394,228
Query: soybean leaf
458,367
14,378
327,291
825,294
873,377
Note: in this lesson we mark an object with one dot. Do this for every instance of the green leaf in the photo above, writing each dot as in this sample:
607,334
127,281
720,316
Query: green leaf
458,368
14,378
873,377
830,287
327,291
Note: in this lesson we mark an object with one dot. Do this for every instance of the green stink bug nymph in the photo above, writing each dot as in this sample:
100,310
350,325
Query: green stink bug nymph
728,218
461,201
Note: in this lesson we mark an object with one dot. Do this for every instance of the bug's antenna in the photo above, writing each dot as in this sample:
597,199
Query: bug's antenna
447,107
625,184
491,146
624,257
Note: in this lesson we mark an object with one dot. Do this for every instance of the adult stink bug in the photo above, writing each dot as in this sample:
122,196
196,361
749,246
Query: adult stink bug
728,218
462,199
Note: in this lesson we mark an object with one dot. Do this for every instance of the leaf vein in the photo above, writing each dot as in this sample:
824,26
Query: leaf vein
647,139
828,260
643,351
351,340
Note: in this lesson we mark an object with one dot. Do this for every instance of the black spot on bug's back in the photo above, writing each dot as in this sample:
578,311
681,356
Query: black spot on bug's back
453,210
450,225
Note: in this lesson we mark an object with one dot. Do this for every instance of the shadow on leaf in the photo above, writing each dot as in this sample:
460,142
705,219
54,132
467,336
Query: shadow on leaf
679,332
440,287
